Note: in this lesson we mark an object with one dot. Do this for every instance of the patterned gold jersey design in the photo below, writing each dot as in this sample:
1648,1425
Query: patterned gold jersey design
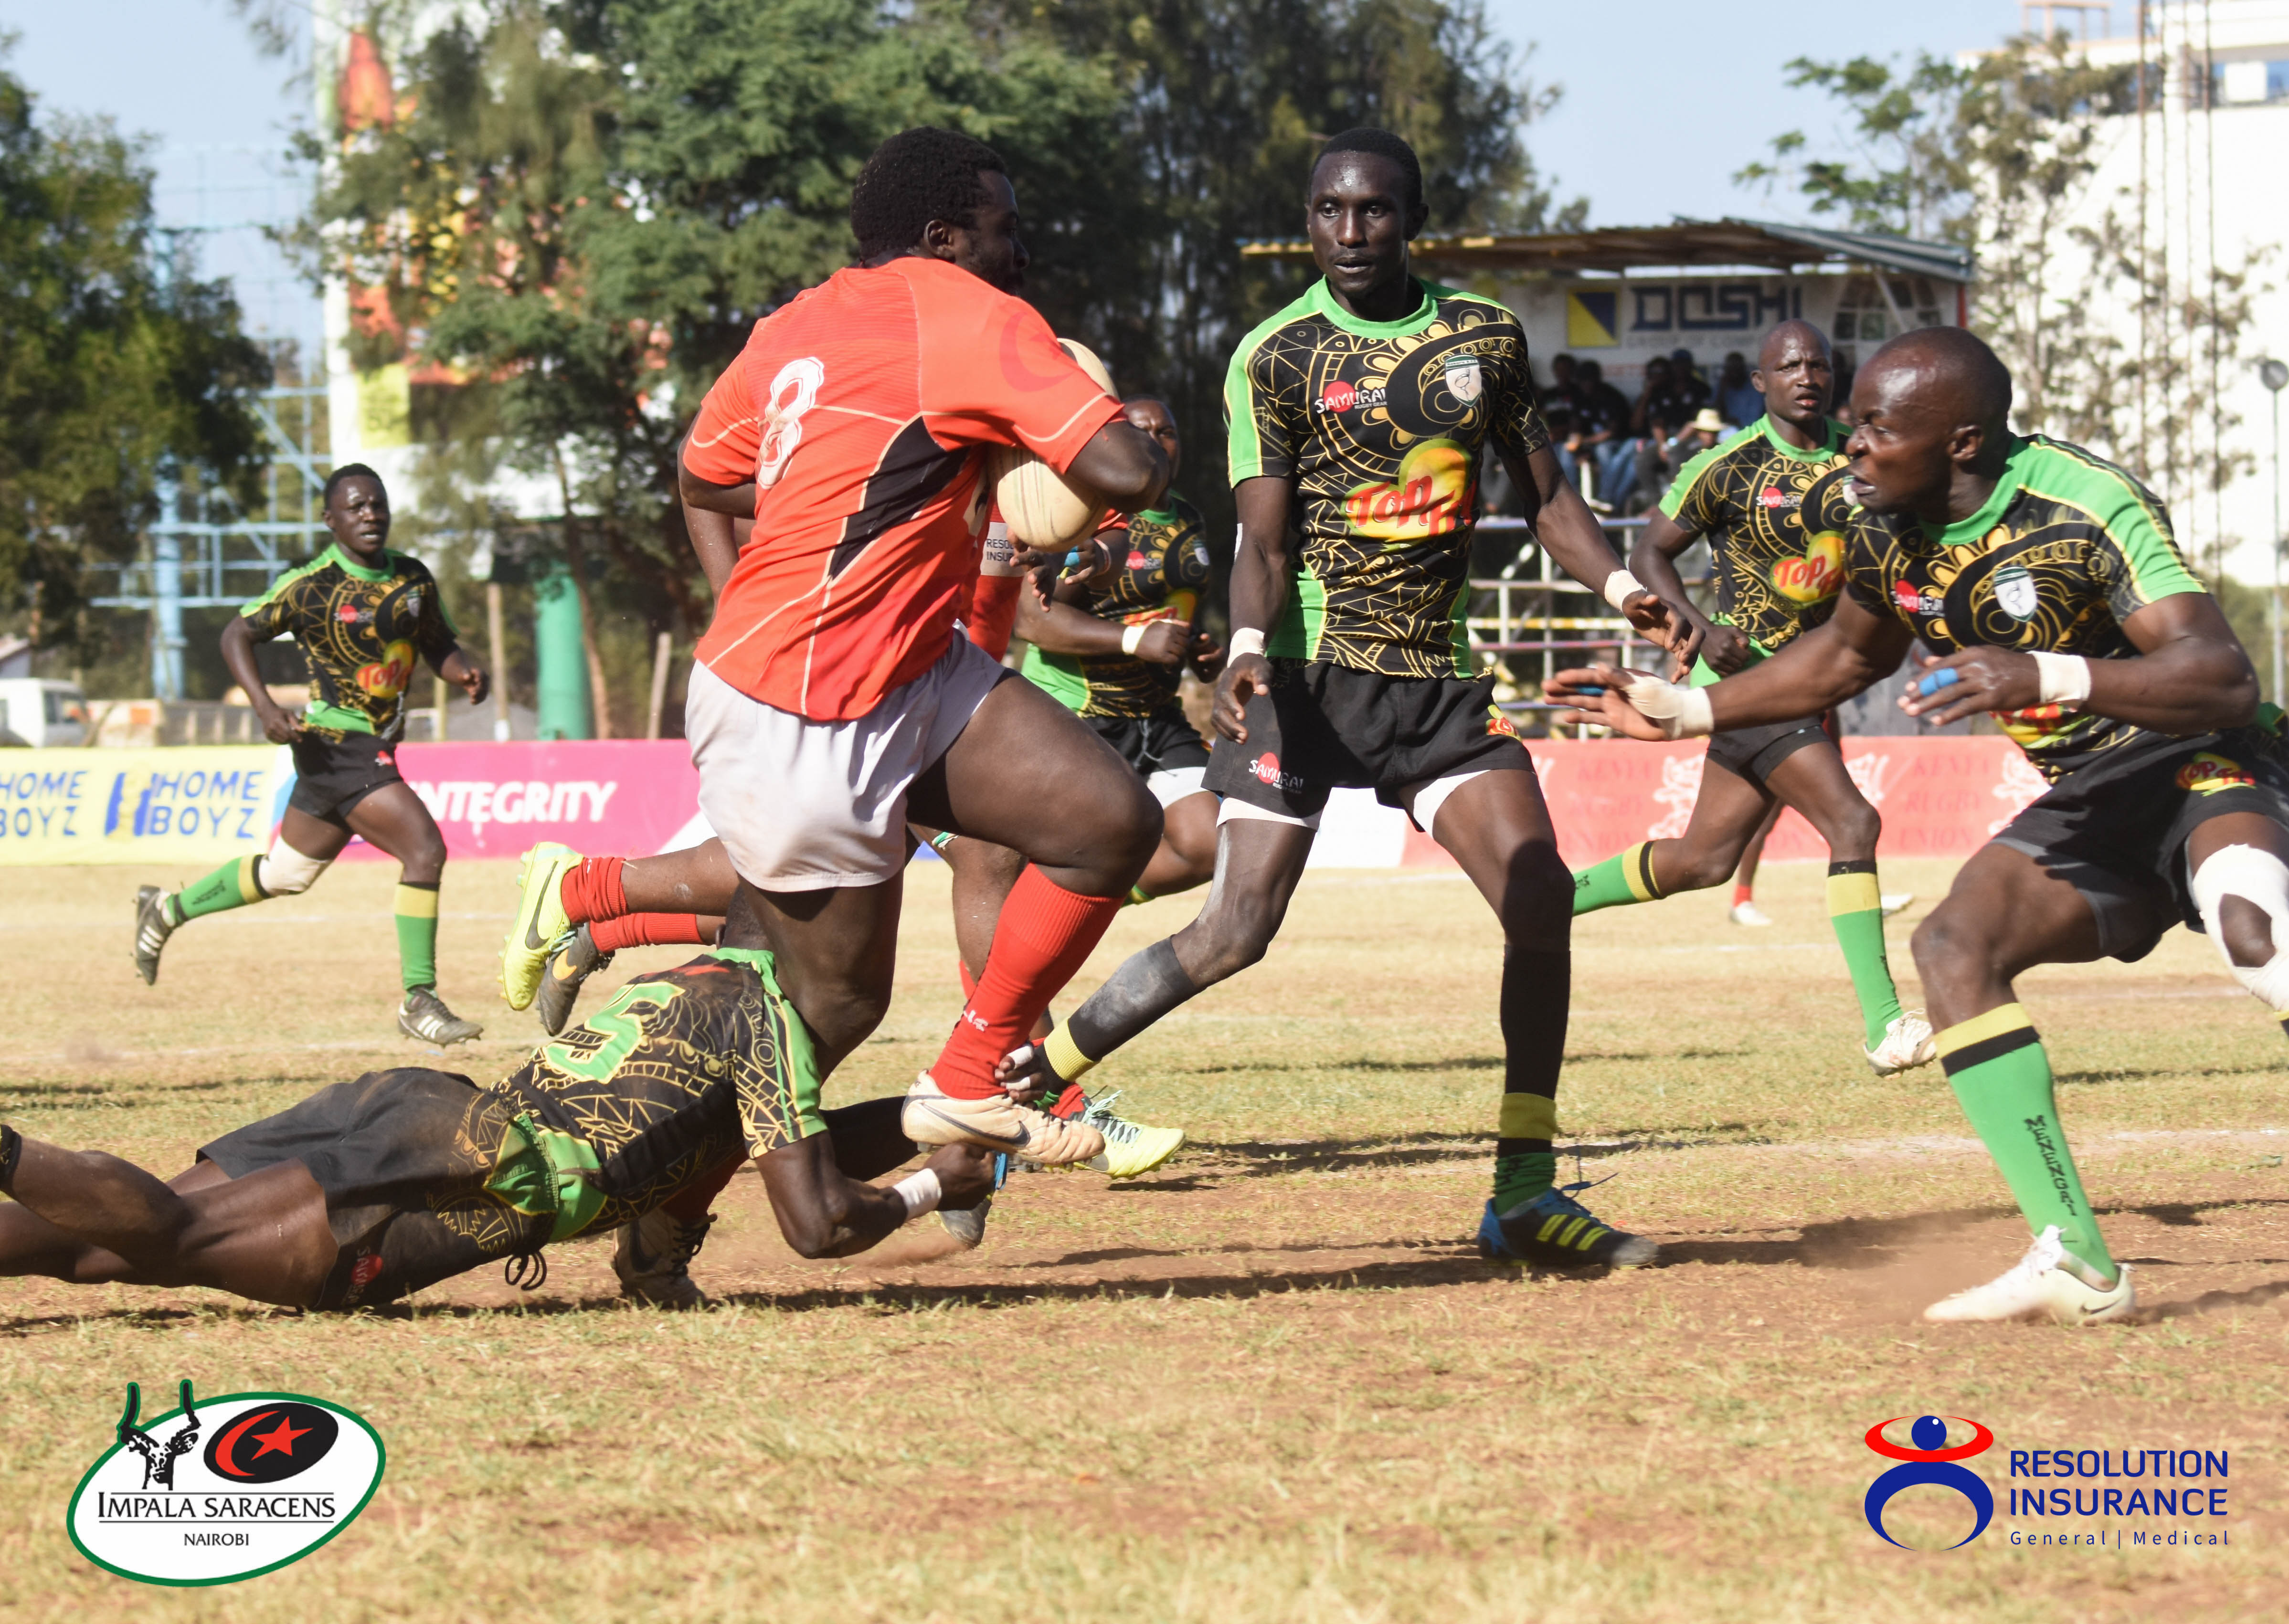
1774,519
363,632
678,1072
1384,427
1161,579
2067,549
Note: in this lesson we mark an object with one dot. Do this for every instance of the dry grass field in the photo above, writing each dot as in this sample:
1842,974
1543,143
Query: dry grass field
1272,1382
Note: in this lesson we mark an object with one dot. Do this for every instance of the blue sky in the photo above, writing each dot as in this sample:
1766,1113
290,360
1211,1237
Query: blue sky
1663,100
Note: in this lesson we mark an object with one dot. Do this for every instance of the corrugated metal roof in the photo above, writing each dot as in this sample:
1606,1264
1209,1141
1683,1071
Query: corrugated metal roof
1688,242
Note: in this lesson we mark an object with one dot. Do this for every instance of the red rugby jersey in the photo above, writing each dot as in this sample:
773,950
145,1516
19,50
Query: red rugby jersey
858,409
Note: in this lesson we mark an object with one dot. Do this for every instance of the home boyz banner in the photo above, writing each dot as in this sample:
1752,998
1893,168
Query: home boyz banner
202,805
1939,798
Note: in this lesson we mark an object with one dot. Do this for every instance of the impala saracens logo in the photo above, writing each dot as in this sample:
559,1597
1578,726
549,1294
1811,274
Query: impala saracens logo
1931,1463
280,1474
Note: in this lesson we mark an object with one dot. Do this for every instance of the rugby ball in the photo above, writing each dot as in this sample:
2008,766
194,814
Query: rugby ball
1042,509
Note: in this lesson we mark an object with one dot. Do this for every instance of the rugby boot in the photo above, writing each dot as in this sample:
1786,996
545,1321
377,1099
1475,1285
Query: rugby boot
997,1123
424,1015
1894,902
539,924
152,929
1130,1148
966,1228
652,1257
1555,1231
1907,1044
2045,1284
561,979
1748,913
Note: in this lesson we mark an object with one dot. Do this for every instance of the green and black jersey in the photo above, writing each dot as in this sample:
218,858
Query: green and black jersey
679,1072
1384,427
1773,517
363,631
1167,569
2066,549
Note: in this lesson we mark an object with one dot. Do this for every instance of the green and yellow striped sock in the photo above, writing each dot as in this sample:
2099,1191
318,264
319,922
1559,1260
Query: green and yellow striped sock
1855,912
416,933
1617,881
2001,1076
234,885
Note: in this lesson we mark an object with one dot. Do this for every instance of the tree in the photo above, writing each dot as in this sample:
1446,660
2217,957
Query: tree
118,369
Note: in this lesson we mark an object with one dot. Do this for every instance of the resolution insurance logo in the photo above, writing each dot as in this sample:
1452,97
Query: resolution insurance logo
280,1474
1930,1463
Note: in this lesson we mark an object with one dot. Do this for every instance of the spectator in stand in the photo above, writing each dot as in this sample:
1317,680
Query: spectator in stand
1661,460
1602,434
1561,409
1686,371
1738,400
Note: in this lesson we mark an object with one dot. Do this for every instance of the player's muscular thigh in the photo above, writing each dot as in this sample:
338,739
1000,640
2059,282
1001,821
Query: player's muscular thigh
2005,913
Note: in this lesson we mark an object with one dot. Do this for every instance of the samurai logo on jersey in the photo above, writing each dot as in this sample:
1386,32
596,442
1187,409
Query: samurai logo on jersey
2066,549
1382,427
1773,515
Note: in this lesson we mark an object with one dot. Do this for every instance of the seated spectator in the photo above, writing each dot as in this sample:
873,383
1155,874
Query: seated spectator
1738,402
1561,409
1602,437
1661,457
1687,374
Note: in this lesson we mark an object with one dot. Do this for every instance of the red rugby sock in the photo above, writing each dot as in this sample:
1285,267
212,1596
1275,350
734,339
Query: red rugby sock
591,889
1742,894
646,930
1044,933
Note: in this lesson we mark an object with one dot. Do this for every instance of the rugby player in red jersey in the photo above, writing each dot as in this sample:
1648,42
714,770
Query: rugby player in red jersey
832,697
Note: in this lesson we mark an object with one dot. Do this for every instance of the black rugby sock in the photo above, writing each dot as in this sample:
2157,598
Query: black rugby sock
1538,994
1147,985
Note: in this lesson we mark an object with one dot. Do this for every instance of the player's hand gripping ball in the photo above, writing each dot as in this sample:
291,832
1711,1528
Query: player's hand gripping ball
1043,510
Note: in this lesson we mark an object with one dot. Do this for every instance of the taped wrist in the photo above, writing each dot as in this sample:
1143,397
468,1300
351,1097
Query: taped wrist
2065,680
1247,639
1130,638
1680,711
920,1191
1619,586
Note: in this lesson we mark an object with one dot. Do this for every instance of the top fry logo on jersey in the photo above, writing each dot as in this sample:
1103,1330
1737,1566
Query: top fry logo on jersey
280,1474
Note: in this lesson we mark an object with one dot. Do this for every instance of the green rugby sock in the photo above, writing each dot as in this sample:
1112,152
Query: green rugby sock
1855,911
234,885
1995,1064
1537,989
416,933
1617,881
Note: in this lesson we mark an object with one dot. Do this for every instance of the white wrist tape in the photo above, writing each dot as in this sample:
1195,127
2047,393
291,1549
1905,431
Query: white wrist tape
1130,638
920,1191
2064,679
1680,712
1247,639
1619,586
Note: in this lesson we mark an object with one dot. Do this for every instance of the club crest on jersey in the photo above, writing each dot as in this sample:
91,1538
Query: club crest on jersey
1464,380
2015,589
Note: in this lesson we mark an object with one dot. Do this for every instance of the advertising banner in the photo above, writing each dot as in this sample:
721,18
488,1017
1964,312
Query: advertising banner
1939,798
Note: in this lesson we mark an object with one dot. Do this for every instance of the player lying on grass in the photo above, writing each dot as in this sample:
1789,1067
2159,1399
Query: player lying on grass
362,614
1113,648
1770,503
372,1189
1363,414
2049,583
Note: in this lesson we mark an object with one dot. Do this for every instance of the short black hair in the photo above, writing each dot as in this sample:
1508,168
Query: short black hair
918,176
1383,144
347,471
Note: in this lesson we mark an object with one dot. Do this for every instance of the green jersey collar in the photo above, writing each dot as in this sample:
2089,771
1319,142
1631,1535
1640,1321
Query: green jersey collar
1830,444
334,555
1324,303
1162,515
759,958
2014,471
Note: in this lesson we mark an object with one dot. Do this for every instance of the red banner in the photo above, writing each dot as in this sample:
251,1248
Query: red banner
1938,796
627,798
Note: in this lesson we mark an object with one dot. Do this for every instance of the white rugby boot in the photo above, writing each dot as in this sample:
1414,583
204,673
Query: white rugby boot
2043,1285
1908,1043
1748,913
997,1123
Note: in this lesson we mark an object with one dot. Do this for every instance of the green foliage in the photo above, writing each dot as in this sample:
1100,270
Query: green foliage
584,205
1903,174
117,367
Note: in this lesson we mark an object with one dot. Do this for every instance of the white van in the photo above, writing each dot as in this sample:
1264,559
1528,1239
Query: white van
35,711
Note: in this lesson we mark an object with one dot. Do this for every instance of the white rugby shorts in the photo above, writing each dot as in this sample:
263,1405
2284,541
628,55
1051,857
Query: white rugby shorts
806,806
